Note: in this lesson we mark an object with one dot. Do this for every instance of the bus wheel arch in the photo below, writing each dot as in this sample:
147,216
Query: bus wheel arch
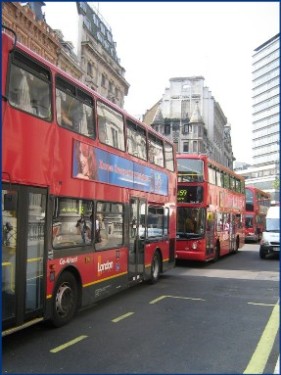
156,267
66,297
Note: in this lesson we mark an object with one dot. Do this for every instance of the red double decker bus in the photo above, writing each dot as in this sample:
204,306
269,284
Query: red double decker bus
88,194
257,205
210,209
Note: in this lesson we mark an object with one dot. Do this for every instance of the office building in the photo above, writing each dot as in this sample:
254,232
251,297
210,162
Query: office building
264,172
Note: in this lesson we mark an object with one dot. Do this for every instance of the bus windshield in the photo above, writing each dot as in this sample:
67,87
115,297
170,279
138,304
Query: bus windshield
191,222
249,221
190,170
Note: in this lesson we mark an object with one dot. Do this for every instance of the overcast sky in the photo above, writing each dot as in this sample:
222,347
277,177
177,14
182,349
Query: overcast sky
157,41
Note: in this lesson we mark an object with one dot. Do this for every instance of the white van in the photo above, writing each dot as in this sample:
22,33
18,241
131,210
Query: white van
270,242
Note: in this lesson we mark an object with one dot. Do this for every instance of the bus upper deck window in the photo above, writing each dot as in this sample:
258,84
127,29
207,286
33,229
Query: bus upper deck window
74,108
29,87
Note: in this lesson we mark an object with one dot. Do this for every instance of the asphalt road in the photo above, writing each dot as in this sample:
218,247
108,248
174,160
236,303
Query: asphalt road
219,318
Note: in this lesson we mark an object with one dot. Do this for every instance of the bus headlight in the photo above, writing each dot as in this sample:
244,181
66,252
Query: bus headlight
194,246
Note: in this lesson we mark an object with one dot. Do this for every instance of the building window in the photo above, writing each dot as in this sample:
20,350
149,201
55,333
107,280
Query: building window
103,80
167,129
102,28
96,19
87,23
100,37
109,36
83,6
185,129
185,146
89,69
195,146
176,126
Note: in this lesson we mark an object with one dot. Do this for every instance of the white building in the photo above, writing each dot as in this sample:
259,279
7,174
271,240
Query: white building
264,173
189,115
265,142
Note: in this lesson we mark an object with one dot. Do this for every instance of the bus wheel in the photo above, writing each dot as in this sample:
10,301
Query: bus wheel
155,268
65,299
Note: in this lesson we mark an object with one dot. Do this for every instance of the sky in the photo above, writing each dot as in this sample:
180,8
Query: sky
157,41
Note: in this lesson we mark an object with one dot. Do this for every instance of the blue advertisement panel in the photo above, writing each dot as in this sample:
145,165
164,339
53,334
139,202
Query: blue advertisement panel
94,164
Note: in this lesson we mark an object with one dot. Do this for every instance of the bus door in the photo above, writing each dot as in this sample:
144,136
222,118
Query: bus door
210,232
137,237
233,232
23,244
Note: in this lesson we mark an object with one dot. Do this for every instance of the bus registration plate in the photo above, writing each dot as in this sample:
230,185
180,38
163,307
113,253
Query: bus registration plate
276,249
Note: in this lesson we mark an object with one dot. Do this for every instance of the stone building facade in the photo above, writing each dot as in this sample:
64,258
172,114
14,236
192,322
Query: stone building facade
29,24
31,30
189,115
97,53
94,64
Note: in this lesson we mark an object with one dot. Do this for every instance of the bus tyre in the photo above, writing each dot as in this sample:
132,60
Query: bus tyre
65,299
155,268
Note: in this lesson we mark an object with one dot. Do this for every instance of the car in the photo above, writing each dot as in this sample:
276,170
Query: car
270,241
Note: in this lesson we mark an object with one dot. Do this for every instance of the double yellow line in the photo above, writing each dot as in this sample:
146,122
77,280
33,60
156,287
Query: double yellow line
265,344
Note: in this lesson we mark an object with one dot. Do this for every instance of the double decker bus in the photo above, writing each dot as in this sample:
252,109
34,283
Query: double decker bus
257,205
88,194
210,209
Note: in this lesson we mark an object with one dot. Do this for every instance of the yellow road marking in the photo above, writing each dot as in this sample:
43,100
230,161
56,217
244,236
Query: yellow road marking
175,297
158,299
67,344
265,344
116,320
261,304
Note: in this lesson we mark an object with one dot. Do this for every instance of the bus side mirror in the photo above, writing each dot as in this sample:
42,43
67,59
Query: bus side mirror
10,202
